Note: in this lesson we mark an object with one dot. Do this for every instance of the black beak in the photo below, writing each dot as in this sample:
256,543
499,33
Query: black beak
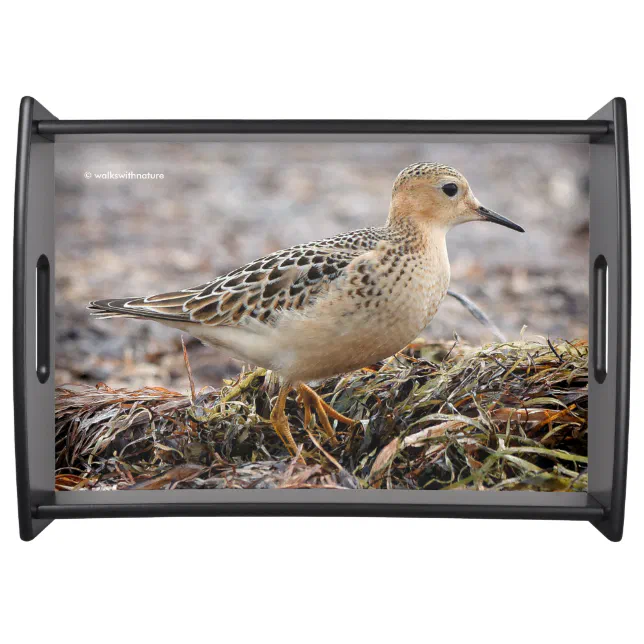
495,218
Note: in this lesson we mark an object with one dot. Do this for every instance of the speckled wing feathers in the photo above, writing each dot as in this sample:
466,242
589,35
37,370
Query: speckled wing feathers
289,279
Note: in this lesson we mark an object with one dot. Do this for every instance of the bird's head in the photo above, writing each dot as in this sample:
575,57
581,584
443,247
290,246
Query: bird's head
439,195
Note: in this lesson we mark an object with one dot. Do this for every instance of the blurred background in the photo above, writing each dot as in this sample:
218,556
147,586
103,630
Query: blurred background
223,204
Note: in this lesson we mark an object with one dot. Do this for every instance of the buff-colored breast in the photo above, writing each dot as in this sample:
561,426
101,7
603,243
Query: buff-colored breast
385,301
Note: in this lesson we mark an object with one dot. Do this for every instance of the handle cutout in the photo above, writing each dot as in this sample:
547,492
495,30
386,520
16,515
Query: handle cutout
43,319
600,319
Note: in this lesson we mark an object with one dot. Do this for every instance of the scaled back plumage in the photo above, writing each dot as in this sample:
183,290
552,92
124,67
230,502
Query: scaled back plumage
286,279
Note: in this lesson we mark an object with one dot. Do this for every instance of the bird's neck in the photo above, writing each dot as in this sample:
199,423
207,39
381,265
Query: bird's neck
421,234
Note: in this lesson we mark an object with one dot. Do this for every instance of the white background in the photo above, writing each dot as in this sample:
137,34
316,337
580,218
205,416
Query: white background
320,579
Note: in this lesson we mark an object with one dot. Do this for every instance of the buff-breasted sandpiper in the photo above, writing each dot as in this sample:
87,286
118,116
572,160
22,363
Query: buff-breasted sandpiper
328,307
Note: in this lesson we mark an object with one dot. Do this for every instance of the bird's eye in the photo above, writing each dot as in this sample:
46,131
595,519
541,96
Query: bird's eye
450,189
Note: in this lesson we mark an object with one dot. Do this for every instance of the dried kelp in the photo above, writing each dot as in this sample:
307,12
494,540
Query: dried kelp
504,416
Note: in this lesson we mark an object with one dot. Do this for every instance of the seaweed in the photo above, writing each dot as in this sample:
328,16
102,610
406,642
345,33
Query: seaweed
504,416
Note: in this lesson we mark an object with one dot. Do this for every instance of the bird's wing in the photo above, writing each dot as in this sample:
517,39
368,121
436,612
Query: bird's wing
284,280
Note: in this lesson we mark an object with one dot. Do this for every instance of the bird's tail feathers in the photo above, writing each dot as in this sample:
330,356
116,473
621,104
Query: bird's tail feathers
168,308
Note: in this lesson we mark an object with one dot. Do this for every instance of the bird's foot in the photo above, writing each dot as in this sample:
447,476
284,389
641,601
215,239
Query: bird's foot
280,424
323,411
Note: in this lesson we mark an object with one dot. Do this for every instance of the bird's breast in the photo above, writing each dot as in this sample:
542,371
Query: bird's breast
413,293
380,308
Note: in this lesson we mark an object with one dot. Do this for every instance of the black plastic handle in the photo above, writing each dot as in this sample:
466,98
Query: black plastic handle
42,319
600,318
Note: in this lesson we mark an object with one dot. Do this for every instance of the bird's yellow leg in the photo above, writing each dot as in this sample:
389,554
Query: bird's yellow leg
336,415
310,399
305,399
279,421
322,409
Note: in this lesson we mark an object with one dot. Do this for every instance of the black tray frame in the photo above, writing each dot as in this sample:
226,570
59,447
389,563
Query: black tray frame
603,504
